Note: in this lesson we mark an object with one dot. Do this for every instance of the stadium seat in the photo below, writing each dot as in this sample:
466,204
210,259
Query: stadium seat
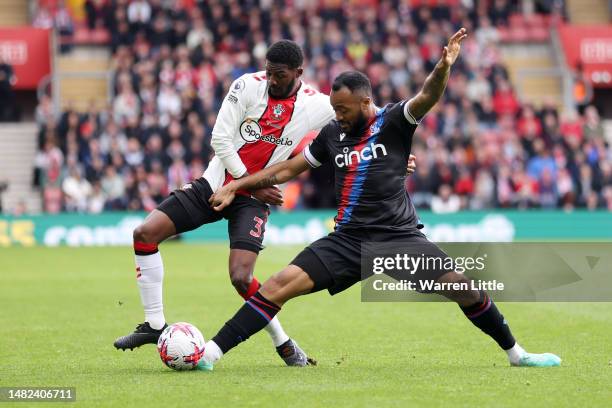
100,36
517,20
518,34
81,36
539,34
504,34
535,20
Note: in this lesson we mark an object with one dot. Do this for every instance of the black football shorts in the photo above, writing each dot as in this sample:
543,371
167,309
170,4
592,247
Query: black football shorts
188,208
334,262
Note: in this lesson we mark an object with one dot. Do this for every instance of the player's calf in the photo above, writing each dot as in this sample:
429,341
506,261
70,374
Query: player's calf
258,311
241,266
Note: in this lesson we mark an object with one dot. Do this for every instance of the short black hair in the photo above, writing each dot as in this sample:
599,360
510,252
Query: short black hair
353,80
285,52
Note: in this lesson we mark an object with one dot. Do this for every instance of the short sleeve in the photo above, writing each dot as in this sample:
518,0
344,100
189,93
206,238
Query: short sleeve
408,115
400,115
322,112
317,152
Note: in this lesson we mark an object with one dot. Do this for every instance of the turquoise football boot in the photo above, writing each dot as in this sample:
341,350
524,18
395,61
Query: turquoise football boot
203,366
538,360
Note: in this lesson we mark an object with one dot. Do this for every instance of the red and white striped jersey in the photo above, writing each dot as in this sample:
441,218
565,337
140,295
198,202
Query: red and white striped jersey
254,130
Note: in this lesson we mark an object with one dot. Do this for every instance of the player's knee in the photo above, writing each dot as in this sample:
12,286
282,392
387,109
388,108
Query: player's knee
274,288
241,282
241,275
143,234
462,297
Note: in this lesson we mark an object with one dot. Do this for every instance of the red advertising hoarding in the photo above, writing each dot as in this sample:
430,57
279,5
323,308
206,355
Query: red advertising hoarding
27,49
590,45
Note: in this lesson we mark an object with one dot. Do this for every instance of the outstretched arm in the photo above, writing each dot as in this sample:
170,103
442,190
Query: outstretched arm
434,85
276,174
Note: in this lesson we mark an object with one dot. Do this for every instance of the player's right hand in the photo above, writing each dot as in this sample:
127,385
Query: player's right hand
269,195
223,197
411,167
451,51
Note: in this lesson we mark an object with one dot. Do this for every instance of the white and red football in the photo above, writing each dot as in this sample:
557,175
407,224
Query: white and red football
180,346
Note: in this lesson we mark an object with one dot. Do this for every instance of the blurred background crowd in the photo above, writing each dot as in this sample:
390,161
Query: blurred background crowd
173,62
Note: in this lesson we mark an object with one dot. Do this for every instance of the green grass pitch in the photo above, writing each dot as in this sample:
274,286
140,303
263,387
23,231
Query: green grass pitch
62,308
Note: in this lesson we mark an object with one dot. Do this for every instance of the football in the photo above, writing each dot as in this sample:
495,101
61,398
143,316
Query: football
180,346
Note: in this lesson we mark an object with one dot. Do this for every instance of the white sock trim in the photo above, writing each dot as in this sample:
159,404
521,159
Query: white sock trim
515,353
212,352
276,332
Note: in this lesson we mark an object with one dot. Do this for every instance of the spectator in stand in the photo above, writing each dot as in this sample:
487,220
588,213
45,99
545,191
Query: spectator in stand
486,33
607,197
97,13
592,128
64,25
478,88
168,103
122,36
484,191
138,15
464,186
178,174
97,199
43,18
126,106
76,190
588,184
49,163
526,189
113,188
582,89
571,128
44,112
504,100
3,187
7,97
541,162
445,201
529,126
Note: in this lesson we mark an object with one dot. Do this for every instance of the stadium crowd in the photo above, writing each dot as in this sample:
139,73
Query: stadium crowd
174,60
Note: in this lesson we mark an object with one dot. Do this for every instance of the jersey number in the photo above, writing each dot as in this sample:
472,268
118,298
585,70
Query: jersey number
256,232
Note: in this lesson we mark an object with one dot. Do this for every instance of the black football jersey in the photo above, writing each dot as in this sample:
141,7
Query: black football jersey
370,169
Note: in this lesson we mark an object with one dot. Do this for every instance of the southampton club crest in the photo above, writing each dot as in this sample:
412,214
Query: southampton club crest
277,111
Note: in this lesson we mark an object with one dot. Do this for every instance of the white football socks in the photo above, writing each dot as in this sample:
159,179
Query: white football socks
150,285
276,332
212,352
515,353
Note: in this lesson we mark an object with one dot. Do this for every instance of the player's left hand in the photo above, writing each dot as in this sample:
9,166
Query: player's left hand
222,197
269,195
451,51
411,167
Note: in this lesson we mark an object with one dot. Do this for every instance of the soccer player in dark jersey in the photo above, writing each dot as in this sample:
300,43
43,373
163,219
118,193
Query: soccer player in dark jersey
368,147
